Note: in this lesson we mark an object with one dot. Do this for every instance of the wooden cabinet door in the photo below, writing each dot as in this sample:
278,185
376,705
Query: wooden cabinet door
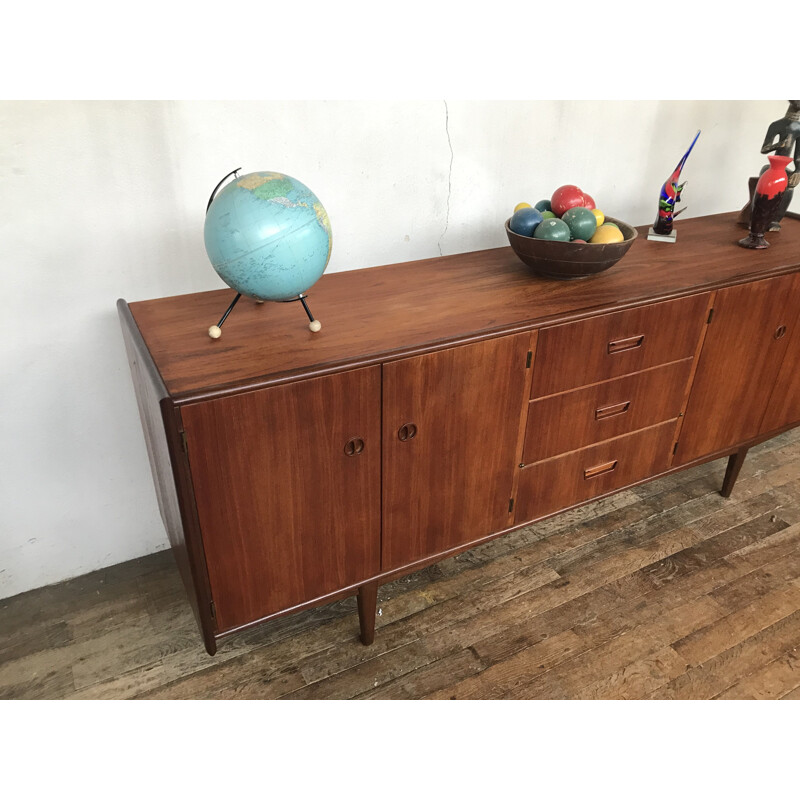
287,488
738,366
451,421
784,404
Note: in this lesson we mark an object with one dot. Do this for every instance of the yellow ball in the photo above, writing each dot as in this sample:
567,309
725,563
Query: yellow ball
607,234
601,217
518,206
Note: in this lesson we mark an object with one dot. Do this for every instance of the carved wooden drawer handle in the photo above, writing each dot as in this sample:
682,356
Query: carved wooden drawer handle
621,345
407,431
354,447
612,411
600,469
780,333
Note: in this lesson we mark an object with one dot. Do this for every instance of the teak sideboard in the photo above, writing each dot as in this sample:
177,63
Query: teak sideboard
445,402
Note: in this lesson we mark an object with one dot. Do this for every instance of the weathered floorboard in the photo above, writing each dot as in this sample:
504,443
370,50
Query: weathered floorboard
666,590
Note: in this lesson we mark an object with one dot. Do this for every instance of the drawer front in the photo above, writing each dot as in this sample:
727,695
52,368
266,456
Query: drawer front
564,422
562,482
579,353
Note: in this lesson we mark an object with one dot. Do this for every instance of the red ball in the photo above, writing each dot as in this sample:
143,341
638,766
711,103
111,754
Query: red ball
588,201
566,197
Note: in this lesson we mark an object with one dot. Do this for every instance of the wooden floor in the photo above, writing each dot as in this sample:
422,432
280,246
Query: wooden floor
664,591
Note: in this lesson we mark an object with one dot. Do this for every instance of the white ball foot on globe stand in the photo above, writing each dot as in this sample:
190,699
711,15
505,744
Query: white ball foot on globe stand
314,325
215,331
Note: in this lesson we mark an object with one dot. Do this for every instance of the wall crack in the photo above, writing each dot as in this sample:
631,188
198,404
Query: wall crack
449,174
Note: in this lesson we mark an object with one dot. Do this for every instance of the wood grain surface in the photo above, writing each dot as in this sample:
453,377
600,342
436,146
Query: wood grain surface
560,482
738,366
399,309
319,461
572,420
610,345
451,482
287,485
161,428
784,403
663,591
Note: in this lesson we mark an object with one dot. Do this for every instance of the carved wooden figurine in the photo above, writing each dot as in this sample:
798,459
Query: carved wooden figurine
782,137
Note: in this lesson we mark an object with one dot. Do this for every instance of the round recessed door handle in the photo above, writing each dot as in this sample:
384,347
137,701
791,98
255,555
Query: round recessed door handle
780,333
354,447
407,431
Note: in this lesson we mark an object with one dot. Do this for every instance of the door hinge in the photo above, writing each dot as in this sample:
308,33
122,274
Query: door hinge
529,360
213,610
675,449
710,315
184,443
510,505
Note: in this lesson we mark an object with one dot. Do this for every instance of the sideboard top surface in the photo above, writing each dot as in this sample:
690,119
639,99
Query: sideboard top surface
371,314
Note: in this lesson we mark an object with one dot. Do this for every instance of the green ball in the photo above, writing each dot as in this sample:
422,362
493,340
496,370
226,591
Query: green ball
582,223
553,229
548,215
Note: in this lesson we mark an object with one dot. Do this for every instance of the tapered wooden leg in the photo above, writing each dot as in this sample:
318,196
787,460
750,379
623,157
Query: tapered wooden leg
732,473
367,605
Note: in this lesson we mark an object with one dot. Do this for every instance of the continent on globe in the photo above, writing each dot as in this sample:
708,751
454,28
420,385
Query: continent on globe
268,236
266,185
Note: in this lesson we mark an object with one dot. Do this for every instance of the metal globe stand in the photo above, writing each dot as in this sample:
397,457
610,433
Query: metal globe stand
314,325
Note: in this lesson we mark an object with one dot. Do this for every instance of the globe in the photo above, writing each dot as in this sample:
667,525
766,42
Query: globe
268,236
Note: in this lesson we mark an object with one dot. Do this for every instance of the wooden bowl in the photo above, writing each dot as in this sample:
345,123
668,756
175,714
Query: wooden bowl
567,260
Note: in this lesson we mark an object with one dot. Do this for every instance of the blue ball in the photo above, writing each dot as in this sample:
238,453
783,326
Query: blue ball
543,205
524,221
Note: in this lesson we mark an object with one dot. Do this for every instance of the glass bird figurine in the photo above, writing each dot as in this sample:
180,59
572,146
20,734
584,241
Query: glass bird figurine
668,199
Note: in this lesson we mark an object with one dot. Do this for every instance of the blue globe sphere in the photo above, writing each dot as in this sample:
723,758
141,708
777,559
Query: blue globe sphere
268,236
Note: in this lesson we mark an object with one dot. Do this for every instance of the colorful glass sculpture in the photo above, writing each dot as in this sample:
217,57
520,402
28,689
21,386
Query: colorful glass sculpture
670,196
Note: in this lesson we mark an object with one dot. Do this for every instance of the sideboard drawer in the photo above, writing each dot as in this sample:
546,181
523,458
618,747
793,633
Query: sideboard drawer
579,353
564,422
564,481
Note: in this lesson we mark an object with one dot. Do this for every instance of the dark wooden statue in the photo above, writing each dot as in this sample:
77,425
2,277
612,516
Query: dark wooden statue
781,139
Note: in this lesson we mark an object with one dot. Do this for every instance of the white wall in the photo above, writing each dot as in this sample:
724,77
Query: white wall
100,200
